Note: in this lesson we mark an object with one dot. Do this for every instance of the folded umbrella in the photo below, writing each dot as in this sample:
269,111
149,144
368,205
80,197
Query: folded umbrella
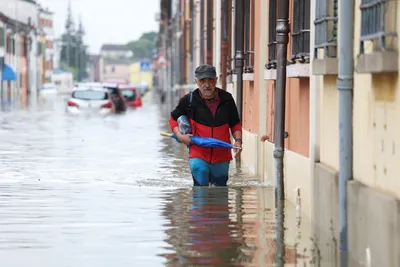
204,141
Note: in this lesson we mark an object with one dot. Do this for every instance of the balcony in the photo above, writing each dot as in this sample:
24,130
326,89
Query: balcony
378,37
249,40
299,59
325,60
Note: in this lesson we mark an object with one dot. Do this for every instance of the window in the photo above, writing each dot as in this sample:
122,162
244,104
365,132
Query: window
378,24
210,31
301,32
129,95
249,36
226,40
202,31
90,95
273,11
326,23
49,44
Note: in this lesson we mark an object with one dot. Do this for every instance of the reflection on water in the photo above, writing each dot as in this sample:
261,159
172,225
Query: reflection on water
227,227
92,191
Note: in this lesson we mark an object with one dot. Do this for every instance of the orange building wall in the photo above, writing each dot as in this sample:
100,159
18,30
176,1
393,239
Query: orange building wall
297,117
251,89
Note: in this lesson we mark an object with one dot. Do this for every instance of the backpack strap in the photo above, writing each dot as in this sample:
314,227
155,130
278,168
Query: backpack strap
190,102
190,99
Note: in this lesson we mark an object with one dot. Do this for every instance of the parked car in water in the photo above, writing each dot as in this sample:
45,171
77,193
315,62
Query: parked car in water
92,100
131,95
116,96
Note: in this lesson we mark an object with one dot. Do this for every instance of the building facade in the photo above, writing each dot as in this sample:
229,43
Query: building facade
138,76
115,62
20,22
25,37
209,32
46,44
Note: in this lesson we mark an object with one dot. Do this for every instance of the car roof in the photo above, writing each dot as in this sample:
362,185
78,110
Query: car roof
127,87
90,88
110,85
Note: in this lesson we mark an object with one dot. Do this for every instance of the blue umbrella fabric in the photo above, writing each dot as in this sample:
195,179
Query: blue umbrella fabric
204,141
8,73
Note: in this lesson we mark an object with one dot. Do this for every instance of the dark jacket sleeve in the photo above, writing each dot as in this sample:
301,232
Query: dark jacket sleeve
180,109
233,114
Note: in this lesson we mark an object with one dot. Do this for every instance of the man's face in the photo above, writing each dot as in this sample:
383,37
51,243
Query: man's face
207,87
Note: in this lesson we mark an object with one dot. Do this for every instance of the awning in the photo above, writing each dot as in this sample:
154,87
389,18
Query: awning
8,73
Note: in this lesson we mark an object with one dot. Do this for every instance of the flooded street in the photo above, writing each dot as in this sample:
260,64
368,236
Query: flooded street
93,191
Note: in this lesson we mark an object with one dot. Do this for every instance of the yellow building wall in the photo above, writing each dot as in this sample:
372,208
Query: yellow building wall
329,122
136,76
376,130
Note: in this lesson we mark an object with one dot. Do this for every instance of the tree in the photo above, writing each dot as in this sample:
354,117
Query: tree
143,47
73,49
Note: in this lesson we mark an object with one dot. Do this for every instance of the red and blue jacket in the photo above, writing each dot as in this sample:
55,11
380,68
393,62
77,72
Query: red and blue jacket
205,124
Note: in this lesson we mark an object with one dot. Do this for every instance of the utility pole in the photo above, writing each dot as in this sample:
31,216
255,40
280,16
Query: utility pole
282,38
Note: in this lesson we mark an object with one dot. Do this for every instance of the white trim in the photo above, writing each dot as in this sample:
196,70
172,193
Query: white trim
248,76
298,70
269,74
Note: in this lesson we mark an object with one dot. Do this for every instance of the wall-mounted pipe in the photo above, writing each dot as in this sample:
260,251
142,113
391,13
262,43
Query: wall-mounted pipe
282,39
345,90
239,57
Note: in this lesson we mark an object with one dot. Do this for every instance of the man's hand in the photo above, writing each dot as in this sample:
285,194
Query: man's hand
185,138
237,151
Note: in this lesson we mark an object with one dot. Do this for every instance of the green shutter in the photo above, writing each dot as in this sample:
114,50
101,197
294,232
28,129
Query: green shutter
2,41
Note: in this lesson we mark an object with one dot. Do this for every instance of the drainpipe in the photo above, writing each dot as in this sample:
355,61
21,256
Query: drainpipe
282,39
239,57
239,34
345,90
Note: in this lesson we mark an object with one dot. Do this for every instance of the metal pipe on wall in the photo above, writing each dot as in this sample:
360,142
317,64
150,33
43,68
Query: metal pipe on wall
345,91
239,33
282,38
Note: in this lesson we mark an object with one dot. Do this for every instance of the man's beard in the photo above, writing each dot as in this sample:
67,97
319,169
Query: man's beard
208,92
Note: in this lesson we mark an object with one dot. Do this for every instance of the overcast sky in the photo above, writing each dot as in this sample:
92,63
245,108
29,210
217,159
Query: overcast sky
115,21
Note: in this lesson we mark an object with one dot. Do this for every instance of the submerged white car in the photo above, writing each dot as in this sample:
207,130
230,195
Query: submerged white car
92,100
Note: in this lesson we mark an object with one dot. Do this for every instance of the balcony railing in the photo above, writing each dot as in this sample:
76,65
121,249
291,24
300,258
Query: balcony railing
326,13
272,35
301,32
378,24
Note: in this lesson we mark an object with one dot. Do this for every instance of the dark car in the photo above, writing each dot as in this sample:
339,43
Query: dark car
116,97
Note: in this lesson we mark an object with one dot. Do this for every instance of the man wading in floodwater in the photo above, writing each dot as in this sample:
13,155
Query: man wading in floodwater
212,113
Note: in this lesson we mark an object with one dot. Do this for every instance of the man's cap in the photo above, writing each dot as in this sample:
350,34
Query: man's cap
205,71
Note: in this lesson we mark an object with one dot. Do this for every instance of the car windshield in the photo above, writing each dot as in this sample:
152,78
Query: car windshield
90,95
129,95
